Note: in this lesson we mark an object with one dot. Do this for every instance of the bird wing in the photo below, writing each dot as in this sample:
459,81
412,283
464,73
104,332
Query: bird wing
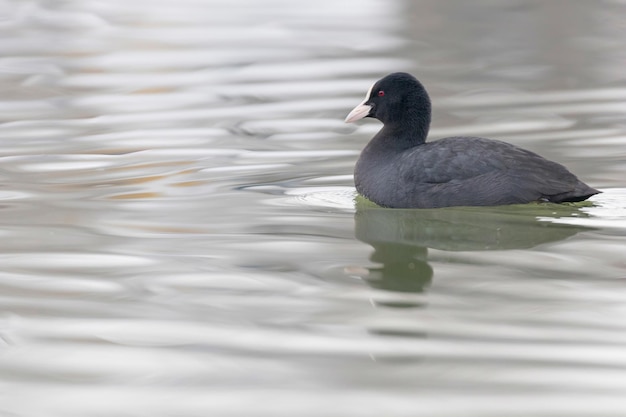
486,171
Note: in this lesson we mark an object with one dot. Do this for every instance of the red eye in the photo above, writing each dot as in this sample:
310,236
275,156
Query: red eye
381,93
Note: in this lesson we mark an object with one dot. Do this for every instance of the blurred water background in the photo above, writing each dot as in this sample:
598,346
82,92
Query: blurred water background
180,235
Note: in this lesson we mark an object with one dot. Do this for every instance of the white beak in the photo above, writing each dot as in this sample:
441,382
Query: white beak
358,113
361,110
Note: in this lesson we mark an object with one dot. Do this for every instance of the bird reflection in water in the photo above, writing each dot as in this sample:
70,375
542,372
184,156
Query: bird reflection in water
401,237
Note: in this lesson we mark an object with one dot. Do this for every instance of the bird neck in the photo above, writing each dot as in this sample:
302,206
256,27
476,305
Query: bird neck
411,131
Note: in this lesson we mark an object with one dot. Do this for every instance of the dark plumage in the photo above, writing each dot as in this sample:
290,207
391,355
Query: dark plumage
398,168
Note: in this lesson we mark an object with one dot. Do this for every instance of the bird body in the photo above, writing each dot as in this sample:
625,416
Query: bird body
398,168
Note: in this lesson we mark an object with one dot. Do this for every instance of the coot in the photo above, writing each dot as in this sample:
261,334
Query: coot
398,168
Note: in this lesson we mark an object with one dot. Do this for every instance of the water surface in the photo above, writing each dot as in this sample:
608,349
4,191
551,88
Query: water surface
181,235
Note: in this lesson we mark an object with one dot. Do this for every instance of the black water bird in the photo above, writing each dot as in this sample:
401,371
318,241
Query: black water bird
398,168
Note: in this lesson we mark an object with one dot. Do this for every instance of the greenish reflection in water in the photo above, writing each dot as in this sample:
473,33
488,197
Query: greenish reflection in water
401,237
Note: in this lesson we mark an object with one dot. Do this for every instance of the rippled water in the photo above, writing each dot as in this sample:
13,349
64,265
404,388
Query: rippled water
180,234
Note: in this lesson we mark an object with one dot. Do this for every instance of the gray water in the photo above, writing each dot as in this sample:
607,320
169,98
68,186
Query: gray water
180,234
